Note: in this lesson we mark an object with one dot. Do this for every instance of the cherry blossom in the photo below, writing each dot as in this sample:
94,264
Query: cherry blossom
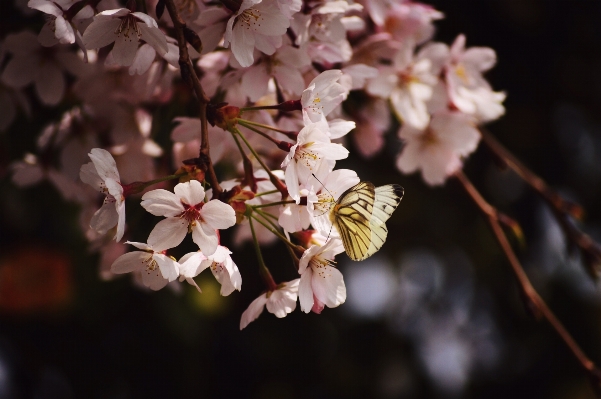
102,174
31,63
409,82
468,90
221,264
259,24
125,29
437,150
185,209
154,266
321,284
312,154
59,27
327,193
280,302
323,94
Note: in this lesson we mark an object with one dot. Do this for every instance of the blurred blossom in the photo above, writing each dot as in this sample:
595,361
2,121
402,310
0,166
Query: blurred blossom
549,259
370,287
579,139
449,323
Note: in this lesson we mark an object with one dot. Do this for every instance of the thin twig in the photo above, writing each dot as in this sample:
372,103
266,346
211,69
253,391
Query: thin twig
534,301
189,75
561,208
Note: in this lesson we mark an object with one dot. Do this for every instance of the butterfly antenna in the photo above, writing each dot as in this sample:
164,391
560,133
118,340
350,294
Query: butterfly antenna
329,232
313,174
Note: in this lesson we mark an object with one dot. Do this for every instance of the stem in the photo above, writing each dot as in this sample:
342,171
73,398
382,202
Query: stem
249,177
266,193
189,75
274,204
263,270
273,178
250,126
534,301
269,226
287,133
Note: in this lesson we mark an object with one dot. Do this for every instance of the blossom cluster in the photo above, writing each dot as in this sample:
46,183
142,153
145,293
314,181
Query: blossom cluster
297,76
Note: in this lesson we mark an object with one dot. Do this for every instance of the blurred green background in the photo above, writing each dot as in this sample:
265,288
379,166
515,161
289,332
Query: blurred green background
435,314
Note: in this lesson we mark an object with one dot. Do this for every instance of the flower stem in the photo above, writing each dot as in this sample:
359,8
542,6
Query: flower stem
281,187
263,270
274,204
249,177
290,134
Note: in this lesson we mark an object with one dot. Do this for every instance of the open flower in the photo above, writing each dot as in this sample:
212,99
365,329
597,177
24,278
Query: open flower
126,29
323,94
155,267
222,266
185,210
437,150
59,26
468,90
312,154
321,284
280,302
102,174
259,24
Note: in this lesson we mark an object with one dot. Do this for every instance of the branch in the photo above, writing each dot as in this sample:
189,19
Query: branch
533,301
561,208
189,75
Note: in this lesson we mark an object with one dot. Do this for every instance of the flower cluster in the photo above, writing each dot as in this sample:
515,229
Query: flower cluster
287,82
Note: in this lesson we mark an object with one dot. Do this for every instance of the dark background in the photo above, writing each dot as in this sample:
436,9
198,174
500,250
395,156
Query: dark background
435,314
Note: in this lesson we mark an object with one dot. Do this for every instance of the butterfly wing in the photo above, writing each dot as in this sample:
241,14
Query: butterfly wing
387,198
351,216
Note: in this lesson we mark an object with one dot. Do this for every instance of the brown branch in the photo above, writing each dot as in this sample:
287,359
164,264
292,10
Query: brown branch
533,301
189,75
562,209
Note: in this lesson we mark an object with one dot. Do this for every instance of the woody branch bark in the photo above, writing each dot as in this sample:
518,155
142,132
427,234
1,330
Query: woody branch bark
561,208
533,301
189,75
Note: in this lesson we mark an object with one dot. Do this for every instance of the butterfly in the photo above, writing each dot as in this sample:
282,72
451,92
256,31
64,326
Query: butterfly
360,215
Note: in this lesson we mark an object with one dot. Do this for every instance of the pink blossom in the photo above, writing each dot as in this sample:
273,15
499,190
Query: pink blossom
259,24
125,29
185,210
154,266
438,149
102,174
280,302
321,284
468,90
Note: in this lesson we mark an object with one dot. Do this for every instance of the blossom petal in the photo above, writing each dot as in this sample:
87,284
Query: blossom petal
100,33
206,238
125,49
253,311
168,233
218,215
129,262
190,192
105,164
162,203
169,267
328,286
105,218
305,291
155,37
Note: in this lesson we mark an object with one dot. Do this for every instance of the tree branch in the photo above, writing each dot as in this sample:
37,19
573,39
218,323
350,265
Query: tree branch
533,301
189,75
